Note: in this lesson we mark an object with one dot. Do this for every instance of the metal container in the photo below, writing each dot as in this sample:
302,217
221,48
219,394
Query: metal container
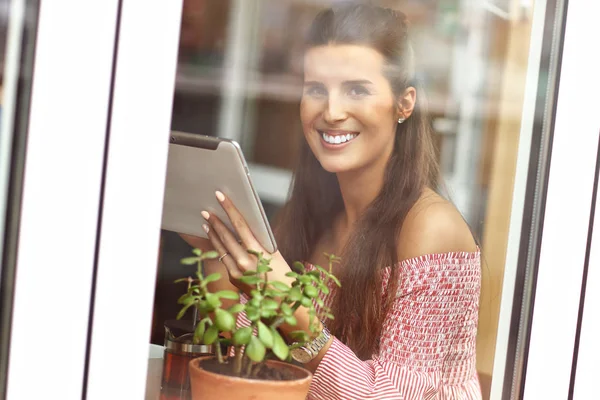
179,351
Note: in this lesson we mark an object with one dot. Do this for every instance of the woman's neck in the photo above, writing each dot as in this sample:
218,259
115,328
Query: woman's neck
359,189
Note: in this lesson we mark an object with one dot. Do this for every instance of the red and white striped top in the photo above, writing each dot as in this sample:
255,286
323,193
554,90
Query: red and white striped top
427,348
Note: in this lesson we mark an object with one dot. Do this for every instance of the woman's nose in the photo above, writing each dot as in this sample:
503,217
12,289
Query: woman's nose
334,110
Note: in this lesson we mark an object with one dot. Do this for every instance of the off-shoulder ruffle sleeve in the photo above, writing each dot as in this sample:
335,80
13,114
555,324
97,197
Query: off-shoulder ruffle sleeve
427,348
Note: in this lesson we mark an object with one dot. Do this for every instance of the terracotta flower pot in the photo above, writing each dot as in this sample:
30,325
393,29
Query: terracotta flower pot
211,386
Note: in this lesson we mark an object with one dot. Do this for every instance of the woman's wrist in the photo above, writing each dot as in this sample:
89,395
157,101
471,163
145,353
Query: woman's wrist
302,323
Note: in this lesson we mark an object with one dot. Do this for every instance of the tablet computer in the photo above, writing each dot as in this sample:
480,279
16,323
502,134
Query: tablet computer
198,166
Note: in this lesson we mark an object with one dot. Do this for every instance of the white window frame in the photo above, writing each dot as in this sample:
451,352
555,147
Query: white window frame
133,198
60,199
587,368
132,205
567,209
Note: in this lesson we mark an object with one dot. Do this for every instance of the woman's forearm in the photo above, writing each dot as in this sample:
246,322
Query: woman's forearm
303,324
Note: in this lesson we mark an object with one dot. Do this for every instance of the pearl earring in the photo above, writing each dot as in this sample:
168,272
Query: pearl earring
401,120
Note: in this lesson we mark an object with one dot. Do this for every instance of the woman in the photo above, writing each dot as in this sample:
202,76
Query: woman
406,314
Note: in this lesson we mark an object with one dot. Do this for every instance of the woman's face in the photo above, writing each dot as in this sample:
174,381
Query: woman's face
348,111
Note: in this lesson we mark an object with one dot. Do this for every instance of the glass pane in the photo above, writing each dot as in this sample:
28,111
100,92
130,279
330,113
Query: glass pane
241,76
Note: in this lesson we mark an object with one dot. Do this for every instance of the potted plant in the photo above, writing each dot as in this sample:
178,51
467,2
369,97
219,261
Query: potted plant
258,365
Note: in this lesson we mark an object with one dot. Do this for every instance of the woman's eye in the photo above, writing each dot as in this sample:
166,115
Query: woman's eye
317,91
358,90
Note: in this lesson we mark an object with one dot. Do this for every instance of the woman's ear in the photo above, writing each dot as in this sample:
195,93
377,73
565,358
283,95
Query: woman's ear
406,102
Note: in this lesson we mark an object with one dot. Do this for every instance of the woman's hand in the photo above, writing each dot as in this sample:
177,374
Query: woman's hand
237,260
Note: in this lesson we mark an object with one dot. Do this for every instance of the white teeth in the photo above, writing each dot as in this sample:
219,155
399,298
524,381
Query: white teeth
337,139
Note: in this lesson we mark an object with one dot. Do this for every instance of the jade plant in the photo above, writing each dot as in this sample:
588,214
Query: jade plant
270,304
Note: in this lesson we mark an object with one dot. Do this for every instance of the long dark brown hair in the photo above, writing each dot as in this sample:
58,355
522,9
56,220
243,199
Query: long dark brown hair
315,194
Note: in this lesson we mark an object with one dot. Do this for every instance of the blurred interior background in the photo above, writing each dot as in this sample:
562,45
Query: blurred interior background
239,77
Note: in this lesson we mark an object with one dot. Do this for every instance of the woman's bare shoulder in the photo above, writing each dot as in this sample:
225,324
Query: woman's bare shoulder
434,226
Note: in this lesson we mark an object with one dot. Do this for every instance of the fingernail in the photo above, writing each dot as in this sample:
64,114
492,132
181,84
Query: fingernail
205,215
205,227
220,196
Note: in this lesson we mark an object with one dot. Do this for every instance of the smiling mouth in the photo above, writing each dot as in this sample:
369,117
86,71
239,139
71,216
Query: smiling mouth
337,137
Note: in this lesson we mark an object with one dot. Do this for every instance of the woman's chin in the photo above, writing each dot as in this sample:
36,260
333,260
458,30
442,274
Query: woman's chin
335,167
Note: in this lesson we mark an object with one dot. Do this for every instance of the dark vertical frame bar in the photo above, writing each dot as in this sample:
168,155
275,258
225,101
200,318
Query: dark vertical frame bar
586,267
101,203
15,185
535,199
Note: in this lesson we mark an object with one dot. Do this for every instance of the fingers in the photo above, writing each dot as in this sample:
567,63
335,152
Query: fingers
228,261
221,236
239,223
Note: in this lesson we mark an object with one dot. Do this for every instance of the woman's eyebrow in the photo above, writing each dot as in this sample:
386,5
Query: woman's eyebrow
358,82
350,82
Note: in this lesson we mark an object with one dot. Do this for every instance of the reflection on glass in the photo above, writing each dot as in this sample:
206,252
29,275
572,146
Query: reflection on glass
240,75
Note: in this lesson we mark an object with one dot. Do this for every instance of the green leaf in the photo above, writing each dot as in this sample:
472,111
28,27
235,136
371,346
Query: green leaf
273,293
306,302
185,299
330,315
211,334
262,269
199,331
236,308
190,260
298,266
255,302
181,280
280,347
320,302
209,255
337,282
255,253
291,320
224,320
242,336
268,313
299,336
204,308
181,312
332,258
323,270
291,274
197,252
252,313
264,334
212,278
270,304
227,294
280,286
324,289
250,280
213,300
286,309
311,291
295,294
250,273
305,279
256,350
